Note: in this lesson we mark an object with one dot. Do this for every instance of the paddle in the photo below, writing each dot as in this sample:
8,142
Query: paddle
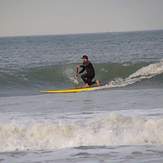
76,79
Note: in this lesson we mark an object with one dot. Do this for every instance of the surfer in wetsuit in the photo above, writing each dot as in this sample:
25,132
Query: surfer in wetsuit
88,72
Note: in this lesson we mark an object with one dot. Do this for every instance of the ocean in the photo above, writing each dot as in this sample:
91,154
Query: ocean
122,123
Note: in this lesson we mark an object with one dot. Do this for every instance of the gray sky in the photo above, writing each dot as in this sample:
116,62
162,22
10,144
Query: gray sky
39,17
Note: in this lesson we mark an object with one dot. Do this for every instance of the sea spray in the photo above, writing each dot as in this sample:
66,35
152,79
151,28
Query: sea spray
146,72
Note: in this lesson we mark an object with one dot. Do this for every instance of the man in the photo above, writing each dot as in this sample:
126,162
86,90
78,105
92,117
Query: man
88,72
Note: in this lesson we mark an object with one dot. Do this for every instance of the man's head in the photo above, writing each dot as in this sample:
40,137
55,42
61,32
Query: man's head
85,58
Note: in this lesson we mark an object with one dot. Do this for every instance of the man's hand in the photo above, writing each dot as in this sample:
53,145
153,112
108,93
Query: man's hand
78,66
76,76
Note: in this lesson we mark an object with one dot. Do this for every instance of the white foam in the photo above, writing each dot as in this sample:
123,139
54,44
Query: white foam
112,129
146,72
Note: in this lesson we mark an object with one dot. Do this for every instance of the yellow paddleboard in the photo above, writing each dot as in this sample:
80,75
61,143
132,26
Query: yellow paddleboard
75,90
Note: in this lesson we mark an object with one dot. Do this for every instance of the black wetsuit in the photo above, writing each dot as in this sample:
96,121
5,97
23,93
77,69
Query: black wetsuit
89,74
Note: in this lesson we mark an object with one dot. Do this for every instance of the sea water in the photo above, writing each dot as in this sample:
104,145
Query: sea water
122,123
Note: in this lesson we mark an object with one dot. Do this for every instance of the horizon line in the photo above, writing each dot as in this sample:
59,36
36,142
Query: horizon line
81,33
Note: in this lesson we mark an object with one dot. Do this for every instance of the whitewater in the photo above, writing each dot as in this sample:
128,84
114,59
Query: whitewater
113,129
121,123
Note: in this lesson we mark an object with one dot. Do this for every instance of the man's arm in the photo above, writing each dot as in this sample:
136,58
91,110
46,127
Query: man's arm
82,70
78,68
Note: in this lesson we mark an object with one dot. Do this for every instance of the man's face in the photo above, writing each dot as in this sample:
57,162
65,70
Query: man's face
85,60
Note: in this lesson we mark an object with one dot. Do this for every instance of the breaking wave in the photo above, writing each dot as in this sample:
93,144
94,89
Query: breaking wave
118,75
112,129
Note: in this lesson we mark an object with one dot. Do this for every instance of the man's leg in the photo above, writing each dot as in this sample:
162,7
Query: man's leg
92,82
84,78
89,81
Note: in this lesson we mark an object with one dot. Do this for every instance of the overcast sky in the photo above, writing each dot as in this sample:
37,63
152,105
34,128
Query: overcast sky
41,17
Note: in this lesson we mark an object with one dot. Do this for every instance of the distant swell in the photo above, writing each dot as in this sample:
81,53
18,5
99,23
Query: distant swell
61,76
113,129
